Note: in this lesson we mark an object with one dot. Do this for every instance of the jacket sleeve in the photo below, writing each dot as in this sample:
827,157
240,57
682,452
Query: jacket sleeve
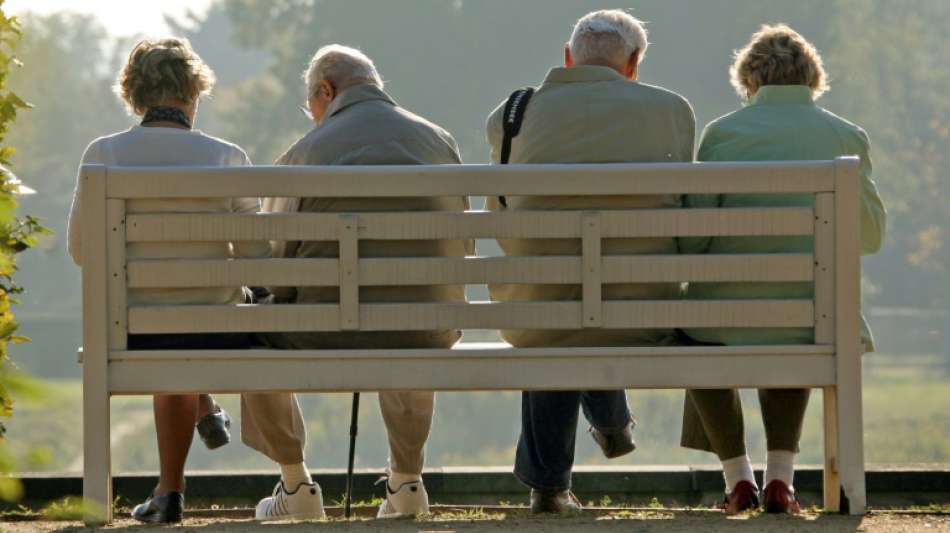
494,133
92,155
873,213
700,245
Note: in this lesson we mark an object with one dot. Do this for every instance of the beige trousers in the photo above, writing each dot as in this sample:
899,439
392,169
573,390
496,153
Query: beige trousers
273,425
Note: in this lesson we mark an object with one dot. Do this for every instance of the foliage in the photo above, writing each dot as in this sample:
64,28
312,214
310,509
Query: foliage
16,235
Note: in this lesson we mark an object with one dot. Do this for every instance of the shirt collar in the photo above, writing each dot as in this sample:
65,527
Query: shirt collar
356,94
782,95
582,73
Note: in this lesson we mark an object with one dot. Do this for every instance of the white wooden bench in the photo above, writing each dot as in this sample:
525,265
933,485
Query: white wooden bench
833,363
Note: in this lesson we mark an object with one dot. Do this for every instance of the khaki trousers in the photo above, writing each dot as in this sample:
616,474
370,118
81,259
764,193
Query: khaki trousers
713,421
273,424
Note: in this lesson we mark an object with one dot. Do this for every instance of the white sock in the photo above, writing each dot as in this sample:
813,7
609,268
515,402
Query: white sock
294,475
397,480
737,469
781,466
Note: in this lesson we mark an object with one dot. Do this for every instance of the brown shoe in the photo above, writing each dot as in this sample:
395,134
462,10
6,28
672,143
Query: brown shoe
780,498
742,498
559,502
615,444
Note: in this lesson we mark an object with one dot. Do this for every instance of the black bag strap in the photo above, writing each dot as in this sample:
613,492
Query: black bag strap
511,124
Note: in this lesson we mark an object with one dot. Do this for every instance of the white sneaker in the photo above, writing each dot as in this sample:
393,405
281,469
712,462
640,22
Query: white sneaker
408,499
304,503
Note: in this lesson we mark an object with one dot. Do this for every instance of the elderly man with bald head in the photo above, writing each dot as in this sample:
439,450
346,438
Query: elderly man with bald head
594,109
356,123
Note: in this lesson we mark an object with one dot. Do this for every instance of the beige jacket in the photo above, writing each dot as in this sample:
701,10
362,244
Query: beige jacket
591,114
364,126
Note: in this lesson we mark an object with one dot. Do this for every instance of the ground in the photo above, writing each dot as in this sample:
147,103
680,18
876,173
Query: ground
639,521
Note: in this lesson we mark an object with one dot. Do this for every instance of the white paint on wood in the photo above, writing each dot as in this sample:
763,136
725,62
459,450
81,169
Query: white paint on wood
847,333
97,476
460,372
396,271
503,315
751,221
117,282
473,180
592,307
348,227
824,268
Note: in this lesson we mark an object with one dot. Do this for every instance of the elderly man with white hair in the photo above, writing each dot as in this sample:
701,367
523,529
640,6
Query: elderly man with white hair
592,110
356,123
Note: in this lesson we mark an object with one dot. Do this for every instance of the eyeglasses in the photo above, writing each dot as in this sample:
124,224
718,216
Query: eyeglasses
306,112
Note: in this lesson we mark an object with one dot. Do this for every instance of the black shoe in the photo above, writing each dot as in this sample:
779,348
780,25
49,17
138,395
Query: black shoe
615,444
213,428
554,502
164,509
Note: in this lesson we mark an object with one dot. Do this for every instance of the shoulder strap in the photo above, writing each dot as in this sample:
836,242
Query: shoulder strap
511,125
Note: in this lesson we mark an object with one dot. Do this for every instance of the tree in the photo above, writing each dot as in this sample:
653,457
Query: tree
16,235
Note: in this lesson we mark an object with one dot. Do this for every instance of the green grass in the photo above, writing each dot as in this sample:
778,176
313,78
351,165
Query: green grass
905,418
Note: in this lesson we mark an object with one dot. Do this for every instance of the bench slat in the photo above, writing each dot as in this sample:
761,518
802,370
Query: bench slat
439,316
460,371
186,273
472,180
474,224
474,350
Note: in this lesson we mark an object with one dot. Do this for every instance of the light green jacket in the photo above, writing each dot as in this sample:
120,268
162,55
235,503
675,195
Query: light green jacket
779,123
592,114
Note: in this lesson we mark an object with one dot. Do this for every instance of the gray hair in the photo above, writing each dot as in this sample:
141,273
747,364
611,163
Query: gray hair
607,37
342,66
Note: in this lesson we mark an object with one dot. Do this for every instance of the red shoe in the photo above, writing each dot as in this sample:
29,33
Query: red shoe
780,498
742,498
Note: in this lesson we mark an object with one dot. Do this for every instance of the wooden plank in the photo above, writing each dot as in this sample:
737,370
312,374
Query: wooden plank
592,308
348,227
441,316
702,267
269,272
97,468
115,250
824,268
753,221
831,483
847,334
461,372
491,350
472,180
396,271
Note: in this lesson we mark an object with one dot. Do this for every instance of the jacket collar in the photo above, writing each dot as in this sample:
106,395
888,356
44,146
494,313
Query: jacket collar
782,95
582,73
354,95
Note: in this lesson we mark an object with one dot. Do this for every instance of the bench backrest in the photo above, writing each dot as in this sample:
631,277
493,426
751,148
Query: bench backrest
833,266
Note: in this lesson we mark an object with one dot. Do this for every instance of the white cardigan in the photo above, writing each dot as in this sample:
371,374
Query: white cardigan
155,146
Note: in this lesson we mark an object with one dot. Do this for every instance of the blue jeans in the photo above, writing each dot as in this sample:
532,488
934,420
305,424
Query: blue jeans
545,455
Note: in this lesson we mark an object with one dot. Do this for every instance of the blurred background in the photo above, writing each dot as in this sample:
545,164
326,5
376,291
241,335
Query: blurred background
453,61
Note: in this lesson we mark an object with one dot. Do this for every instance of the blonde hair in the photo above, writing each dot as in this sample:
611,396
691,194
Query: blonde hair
777,55
160,70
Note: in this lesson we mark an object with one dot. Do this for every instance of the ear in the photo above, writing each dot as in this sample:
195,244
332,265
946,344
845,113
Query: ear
632,68
329,89
568,59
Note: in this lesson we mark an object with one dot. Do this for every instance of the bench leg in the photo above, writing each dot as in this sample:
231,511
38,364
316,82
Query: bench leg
97,466
851,443
832,484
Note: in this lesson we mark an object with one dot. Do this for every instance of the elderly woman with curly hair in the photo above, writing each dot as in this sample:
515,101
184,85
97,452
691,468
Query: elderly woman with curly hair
161,83
780,75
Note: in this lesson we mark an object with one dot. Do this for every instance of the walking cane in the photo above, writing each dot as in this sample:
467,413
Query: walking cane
354,419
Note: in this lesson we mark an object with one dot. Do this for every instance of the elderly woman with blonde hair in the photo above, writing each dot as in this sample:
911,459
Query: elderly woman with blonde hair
161,83
780,75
